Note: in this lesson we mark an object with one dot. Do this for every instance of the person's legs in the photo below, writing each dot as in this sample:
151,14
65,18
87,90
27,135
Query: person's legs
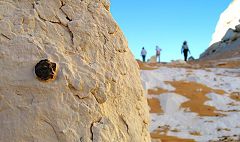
185,55
143,56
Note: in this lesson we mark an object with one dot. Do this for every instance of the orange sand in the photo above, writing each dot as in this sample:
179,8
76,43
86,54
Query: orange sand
154,104
157,134
196,93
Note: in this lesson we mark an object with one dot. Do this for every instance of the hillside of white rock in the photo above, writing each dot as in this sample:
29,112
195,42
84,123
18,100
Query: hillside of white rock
226,38
89,89
228,19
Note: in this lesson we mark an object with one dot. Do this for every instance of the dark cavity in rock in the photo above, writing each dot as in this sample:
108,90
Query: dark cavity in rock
45,70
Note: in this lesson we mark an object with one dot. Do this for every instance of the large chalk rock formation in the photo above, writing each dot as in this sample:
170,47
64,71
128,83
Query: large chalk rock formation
96,95
226,39
228,19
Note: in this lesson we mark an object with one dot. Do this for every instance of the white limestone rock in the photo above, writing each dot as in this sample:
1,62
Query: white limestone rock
153,59
226,39
228,19
97,94
178,62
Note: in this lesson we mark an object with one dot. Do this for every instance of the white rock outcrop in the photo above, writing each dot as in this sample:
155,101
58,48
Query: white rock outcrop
228,47
226,39
228,19
97,93
153,59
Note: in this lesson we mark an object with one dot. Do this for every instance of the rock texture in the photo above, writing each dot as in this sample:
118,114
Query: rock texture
97,94
228,19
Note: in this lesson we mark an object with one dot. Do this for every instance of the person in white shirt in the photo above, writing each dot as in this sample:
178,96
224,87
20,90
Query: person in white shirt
158,53
144,54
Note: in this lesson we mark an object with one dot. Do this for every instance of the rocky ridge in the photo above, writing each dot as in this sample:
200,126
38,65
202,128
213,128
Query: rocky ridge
96,94
228,47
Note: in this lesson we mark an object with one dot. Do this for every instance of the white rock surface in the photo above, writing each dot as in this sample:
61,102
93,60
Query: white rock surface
153,59
177,62
97,95
228,19
228,48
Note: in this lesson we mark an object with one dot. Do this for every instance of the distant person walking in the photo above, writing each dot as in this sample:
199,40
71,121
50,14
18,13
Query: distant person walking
185,50
144,54
158,53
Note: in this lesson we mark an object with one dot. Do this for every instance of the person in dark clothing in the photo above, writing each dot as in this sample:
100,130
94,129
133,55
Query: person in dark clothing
185,50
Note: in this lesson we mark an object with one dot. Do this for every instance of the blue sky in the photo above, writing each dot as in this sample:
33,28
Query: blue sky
168,23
